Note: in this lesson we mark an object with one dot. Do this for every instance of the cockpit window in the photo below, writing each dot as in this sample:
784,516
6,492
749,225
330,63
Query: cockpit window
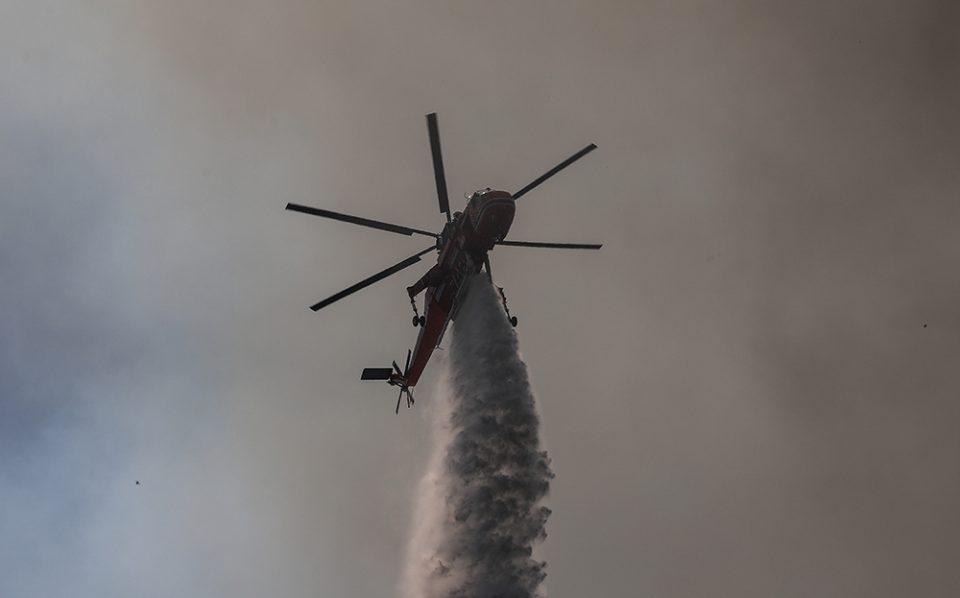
476,193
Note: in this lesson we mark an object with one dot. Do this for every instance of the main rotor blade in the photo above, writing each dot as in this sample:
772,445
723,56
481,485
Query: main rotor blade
555,170
551,245
393,228
434,133
369,281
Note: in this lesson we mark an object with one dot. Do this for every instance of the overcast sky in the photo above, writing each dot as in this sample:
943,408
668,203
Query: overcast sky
751,390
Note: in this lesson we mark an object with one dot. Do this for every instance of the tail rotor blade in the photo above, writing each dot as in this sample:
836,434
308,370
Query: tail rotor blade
441,180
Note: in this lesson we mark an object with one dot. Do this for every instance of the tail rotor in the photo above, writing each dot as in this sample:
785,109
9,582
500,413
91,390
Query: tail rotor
393,377
404,389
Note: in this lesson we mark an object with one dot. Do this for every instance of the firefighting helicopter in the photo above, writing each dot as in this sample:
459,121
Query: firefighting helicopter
462,248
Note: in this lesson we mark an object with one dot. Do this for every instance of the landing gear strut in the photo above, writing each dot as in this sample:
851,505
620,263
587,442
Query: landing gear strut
511,319
418,320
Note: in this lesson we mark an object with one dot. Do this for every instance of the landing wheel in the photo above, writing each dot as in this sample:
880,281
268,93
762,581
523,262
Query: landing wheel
416,321
513,321
422,320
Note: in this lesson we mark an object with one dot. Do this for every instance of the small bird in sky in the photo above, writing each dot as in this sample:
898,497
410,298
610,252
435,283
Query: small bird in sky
138,482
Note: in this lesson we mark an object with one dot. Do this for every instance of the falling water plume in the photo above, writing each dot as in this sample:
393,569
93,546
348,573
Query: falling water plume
479,511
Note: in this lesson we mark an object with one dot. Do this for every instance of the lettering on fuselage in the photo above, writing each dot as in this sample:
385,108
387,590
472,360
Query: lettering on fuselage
463,266
461,269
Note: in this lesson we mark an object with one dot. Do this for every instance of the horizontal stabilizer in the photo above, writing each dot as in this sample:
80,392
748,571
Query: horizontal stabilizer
376,374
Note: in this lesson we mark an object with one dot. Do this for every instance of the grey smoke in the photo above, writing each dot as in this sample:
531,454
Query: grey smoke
480,504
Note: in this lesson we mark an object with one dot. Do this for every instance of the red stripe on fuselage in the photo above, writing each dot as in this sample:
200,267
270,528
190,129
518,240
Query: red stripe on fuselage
436,319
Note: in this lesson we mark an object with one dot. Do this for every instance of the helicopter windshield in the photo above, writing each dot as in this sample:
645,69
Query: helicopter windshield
475,193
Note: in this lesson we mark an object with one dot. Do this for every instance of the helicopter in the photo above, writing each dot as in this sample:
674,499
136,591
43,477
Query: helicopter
462,247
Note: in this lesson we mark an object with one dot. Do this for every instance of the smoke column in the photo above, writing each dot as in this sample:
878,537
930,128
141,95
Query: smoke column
478,512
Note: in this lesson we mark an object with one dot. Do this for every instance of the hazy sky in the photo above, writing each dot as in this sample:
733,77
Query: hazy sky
739,392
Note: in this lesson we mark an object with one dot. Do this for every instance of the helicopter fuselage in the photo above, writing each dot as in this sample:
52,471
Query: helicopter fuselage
462,247
463,244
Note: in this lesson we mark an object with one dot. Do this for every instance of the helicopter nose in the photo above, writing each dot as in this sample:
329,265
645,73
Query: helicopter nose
496,216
